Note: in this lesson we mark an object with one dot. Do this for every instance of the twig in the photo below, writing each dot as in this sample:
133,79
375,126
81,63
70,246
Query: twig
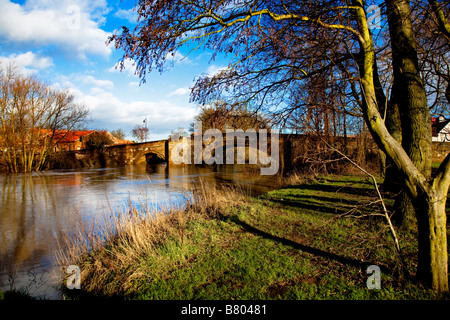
386,214
356,209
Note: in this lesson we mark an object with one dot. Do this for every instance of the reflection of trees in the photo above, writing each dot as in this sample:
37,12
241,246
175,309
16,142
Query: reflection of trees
29,216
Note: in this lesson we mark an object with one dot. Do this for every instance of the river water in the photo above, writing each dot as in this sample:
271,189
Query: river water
36,207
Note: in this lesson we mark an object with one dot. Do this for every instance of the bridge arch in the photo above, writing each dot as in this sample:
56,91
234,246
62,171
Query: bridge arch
149,154
154,158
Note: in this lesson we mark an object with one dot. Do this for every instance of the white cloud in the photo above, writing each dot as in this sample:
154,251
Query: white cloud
134,84
28,62
180,92
66,24
90,80
129,15
113,113
214,70
128,66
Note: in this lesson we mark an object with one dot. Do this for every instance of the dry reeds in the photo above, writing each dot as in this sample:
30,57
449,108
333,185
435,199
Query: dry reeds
109,254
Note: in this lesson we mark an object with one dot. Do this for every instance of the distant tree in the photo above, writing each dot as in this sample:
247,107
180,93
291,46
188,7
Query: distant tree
140,132
119,134
222,116
98,140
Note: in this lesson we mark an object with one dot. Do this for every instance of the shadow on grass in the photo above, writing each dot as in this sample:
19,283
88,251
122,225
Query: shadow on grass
332,196
328,204
369,191
298,246
311,206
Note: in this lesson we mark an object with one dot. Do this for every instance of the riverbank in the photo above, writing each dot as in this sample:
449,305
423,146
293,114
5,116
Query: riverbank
312,240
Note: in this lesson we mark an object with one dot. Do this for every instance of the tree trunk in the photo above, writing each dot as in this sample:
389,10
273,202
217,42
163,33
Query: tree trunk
391,182
404,213
410,97
432,226
409,91
429,195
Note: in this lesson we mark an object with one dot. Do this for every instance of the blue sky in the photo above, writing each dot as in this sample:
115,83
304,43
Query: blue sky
63,43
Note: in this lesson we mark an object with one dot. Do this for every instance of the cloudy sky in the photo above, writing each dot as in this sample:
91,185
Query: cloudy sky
63,42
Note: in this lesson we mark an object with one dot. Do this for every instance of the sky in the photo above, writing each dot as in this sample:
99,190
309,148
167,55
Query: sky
63,42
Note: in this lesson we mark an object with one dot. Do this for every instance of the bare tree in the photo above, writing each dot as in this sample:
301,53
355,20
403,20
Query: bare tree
221,115
98,140
140,132
119,134
30,113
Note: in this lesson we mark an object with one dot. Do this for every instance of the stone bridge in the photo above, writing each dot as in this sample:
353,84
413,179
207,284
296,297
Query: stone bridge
154,152
150,152
161,151
139,153
128,154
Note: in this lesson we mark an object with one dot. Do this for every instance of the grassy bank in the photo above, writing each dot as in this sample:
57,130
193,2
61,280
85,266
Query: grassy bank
311,240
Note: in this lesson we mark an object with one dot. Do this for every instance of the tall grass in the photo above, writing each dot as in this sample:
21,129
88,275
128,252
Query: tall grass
110,254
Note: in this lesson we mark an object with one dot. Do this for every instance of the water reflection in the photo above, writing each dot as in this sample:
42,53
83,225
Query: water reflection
35,207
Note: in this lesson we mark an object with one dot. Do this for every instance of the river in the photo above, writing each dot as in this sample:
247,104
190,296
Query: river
36,207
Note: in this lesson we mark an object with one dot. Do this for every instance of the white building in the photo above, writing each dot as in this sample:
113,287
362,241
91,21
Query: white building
440,129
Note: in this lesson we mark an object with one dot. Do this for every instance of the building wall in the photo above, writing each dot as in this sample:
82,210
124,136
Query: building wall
69,146
443,135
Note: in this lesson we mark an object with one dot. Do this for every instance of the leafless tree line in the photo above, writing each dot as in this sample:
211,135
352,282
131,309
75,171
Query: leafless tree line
30,113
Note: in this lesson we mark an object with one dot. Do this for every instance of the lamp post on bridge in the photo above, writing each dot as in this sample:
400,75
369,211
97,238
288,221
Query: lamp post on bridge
146,128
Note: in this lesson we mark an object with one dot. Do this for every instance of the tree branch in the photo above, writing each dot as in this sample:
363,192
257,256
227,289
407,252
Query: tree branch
444,25
442,179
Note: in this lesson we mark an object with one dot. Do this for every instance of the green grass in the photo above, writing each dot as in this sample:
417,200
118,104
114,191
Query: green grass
305,241
435,165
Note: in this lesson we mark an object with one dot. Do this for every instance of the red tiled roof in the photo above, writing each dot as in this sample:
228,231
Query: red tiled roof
64,136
